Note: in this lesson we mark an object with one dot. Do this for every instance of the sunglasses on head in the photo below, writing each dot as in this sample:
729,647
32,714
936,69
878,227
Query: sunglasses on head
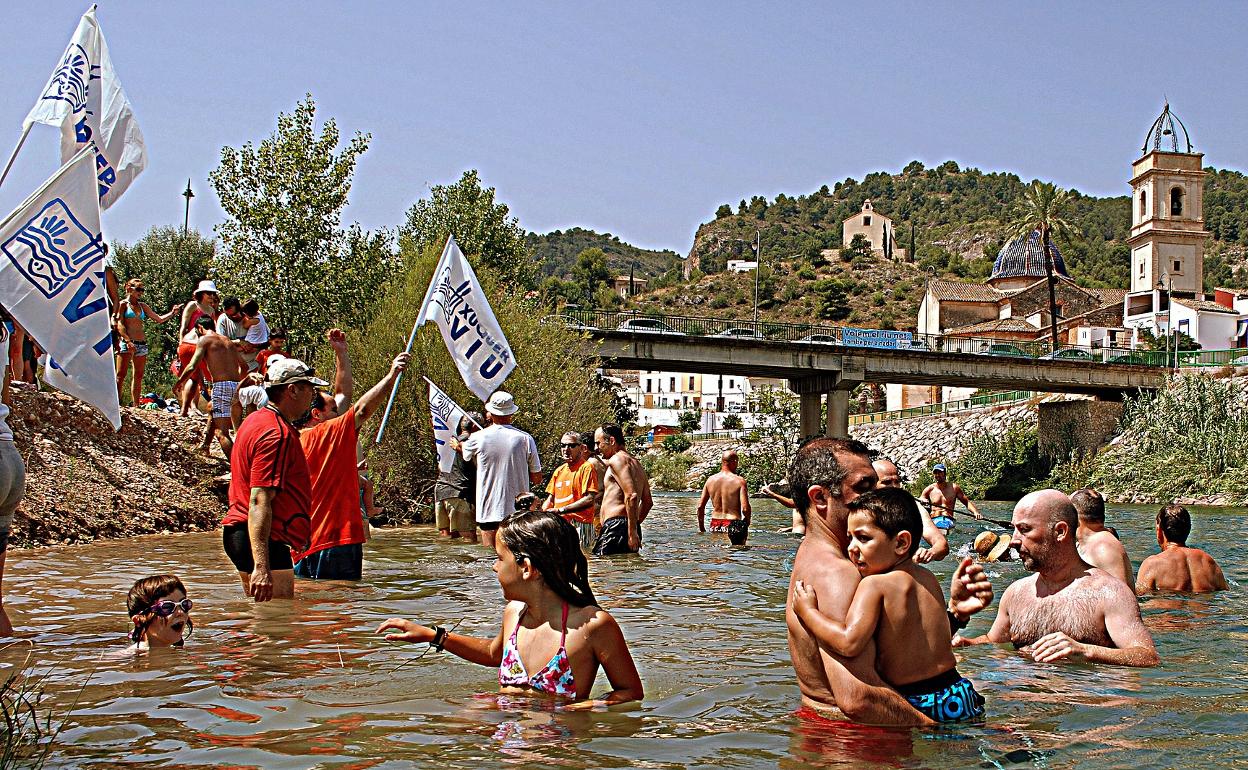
167,607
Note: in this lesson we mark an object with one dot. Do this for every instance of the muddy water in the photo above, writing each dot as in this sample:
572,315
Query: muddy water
307,684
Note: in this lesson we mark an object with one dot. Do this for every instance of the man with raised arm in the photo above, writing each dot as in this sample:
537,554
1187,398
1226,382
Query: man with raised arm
937,544
942,495
1177,567
1068,610
626,495
329,435
826,475
1097,545
727,493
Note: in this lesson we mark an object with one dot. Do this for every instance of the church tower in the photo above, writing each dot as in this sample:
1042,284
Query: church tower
1168,234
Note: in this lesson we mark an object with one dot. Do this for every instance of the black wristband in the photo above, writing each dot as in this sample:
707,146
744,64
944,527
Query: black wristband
439,638
955,625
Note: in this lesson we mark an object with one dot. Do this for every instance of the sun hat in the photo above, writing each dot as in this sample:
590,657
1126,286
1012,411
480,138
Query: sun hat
990,545
501,404
939,467
289,370
206,286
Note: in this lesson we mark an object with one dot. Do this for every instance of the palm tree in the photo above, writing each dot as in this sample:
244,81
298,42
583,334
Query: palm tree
1042,210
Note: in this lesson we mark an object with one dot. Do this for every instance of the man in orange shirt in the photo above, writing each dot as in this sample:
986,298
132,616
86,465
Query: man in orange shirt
574,488
328,436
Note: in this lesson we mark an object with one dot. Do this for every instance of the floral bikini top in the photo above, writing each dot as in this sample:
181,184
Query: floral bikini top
555,677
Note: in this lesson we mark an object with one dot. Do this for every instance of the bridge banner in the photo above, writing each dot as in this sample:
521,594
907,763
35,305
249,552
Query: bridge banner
52,282
456,303
875,338
85,100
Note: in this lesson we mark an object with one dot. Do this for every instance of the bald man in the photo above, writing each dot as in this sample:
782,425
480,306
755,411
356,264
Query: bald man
726,491
1068,610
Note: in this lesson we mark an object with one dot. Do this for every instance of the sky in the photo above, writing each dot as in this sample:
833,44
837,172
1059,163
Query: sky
640,118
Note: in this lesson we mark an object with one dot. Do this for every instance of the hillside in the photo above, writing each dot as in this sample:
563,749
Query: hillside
956,216
555,253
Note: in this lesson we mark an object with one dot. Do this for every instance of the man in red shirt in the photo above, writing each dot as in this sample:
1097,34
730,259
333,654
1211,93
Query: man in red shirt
270,489
330,440
574,488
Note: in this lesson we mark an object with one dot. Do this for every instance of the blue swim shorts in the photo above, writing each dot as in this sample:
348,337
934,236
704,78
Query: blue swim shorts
948,697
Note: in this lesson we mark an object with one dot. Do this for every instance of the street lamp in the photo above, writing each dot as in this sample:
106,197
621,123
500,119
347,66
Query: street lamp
758,266
1166,282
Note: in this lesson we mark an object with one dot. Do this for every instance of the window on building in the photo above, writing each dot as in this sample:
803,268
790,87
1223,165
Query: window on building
1178,266
1176,202
1141,268
648,386
1143,204
673,388
690,383
866,221
731,385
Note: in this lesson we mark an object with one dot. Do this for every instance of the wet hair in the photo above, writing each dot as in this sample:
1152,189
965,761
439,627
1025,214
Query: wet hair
816,464
205,322
738,531
230,303
146,592
251,307
1175,523
614,431
551,545
1089,505
893,510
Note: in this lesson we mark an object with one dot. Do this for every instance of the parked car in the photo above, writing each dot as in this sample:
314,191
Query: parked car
648,326
820,339
741,333
1069,354
1004,349
1139,359
566,321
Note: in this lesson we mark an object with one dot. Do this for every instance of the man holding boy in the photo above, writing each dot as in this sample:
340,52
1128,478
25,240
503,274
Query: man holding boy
1068,609
826,475
1177,567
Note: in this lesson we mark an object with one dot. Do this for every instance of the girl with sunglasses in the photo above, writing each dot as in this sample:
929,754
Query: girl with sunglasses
160,611
554,636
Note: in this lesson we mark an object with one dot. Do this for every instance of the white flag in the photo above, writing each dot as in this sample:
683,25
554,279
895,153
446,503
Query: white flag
52,281
446,416
457,305
85,98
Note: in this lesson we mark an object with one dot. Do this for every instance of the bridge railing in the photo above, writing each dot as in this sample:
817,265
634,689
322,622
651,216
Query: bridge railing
944,407
648,323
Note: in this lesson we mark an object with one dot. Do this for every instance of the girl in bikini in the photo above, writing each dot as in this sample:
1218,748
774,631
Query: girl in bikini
132,340
554,635
160,612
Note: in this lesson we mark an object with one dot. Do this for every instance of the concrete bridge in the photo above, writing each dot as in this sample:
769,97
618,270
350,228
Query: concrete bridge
818,370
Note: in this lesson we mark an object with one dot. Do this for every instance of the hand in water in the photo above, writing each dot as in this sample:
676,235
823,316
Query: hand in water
634,542
969,590
260,587
959,641
407,631
1056,646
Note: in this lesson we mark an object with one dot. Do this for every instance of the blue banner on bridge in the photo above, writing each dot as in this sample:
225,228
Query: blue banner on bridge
875,338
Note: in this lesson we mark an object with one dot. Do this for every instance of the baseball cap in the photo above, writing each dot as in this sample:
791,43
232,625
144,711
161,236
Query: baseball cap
938,467
288,370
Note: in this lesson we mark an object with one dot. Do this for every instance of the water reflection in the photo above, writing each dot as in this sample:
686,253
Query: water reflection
307,684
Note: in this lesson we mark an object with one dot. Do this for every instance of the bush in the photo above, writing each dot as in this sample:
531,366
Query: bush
732,422
676,443
991,468
668,471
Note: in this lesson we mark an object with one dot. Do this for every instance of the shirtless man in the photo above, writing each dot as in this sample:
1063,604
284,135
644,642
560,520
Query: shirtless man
1177,567
625,498
226,368
938,544
942,495
728,495
1068,609
798,526
1097,545
826,475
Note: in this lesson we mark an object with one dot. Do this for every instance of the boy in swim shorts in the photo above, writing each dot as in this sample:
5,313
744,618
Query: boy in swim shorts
899,605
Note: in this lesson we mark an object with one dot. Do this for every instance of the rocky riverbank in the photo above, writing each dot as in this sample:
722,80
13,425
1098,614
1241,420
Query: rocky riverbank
84,481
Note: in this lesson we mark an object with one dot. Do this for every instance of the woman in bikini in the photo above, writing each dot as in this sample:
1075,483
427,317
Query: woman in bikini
160,612
132,339
554,635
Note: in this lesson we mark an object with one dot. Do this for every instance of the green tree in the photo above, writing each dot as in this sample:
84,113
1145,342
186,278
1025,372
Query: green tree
732,422
283,238
723,211
690,420
484,230
777,429
1042,209
170,265
831,298
859,246
590,271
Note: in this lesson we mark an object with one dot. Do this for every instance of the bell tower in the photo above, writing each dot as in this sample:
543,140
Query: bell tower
1168,234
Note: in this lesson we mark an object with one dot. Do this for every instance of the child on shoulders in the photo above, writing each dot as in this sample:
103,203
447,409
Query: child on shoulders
554,636
900,605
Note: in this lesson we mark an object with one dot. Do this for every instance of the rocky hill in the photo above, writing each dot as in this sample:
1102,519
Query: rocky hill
85,481
555,253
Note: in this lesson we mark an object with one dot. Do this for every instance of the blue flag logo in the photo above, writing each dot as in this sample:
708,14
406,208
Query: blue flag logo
53,249
72,80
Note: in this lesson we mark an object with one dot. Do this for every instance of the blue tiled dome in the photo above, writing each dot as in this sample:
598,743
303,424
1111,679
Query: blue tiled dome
1024,258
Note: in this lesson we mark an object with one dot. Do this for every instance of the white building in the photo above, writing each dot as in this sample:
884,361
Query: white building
876,228
660,397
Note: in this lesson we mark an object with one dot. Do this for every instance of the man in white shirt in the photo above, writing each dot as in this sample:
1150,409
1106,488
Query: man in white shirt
507,463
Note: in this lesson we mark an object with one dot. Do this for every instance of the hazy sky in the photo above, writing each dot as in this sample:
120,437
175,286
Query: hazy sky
640,118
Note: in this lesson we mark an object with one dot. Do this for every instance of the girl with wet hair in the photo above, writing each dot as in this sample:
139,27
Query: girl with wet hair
160,612
554,636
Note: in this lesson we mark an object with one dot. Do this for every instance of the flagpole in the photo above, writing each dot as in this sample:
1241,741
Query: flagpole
16,150
395,390
467,415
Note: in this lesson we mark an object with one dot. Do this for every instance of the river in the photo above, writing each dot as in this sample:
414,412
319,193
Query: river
307,684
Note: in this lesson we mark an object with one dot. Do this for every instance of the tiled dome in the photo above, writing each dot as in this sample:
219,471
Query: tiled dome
1024,258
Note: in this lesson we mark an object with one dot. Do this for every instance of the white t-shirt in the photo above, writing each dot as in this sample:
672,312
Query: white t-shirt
505,456
258,334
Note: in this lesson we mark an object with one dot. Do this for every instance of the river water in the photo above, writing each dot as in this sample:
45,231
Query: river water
307,684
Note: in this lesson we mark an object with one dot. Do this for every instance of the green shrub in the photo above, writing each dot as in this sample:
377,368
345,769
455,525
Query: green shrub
668,471
676,443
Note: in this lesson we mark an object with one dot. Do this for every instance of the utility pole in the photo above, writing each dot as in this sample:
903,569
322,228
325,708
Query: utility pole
758,265
186,220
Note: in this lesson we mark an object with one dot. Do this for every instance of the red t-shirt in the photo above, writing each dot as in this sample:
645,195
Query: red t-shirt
267,453
262,359
330,452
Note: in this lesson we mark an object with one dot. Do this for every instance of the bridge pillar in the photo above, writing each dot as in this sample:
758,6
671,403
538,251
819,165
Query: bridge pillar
811,414
838,413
